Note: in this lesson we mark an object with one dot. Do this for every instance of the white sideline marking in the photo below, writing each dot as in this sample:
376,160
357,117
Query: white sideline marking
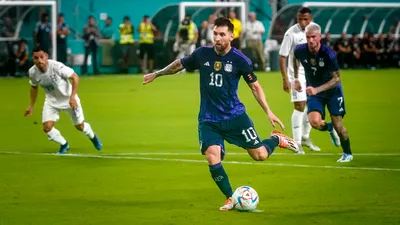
229,153
204,161
245,153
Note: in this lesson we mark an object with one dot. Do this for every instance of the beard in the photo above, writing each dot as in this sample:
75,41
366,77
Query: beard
41,66
221,47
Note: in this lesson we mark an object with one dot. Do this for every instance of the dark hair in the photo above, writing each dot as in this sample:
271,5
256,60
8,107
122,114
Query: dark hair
109,18
44,15
37,49
224,22
126,18
304,10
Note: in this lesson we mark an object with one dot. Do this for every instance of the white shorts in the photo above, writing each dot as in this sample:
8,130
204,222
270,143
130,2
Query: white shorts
297,96
51,113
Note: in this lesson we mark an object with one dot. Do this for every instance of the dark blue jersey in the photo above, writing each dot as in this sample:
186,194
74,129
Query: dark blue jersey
43,31
318,67
219,80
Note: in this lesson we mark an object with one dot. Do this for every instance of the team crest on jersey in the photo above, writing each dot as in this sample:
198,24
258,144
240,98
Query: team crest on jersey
217,65
313,62
321,62
228,67
53,78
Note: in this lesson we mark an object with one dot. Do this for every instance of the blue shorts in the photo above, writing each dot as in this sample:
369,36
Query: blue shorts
238,131
335,104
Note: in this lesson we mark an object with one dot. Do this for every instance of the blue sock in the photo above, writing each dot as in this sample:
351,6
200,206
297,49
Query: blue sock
346,146
327,127
270,144
221,179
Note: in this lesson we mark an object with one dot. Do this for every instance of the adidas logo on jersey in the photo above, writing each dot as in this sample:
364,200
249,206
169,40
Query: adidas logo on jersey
207,64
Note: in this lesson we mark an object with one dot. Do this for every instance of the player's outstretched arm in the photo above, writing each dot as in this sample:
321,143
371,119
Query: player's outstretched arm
297,84
33,97
172,68
259,94
74,78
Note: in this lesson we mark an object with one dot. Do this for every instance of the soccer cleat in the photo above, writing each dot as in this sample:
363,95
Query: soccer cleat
310,145
345,158
228,205
335,137
96,142
285,141
301,150
63,149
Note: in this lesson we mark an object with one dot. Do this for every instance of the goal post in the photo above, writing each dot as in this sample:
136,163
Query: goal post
31,4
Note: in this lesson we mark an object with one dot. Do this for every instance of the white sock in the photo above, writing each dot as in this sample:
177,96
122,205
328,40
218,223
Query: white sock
87,129
297,128
306,125
56,136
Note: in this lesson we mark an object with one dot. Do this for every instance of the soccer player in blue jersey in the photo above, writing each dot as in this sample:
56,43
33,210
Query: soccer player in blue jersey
222,116
324,88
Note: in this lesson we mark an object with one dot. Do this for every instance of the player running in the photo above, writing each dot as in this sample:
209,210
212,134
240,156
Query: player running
61,95
324,88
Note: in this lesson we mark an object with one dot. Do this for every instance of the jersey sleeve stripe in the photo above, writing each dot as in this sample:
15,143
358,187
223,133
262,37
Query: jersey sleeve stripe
242,55
183,62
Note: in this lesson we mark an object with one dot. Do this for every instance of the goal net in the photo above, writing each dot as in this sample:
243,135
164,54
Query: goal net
19,20
184,6
168,18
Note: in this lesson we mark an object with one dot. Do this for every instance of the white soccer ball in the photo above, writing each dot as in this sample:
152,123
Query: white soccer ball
245,198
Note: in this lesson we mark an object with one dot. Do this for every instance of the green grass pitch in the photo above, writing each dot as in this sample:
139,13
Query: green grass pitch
150,170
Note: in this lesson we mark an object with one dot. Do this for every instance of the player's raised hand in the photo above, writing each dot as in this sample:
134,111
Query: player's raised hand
297,85
311,90
73,103
286,85
147,78
28,111
274,119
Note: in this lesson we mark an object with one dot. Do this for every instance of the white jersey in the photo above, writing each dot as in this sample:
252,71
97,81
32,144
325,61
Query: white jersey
293,37
55,83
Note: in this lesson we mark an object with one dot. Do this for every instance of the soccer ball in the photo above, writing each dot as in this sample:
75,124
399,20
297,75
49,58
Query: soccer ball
245,198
